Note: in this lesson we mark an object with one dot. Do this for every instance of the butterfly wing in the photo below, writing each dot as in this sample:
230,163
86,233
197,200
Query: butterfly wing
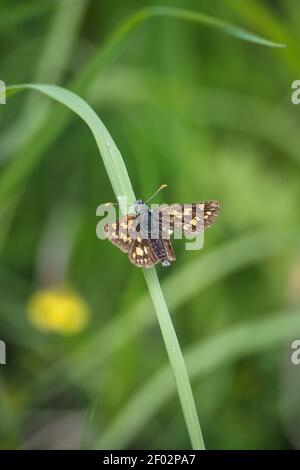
139,250
169,250
119,232
190,218
211,211
141,253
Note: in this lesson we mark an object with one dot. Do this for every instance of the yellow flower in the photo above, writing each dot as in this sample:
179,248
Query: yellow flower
58,310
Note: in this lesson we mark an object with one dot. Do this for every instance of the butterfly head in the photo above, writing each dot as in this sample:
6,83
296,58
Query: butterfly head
140,207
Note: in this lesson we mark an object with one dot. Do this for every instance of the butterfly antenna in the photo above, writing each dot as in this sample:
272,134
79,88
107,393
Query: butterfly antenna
163,186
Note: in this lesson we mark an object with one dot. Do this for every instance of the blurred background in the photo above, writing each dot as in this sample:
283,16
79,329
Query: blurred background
211,116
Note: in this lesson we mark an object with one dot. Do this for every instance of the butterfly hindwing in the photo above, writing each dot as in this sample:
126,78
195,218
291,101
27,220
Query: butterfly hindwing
141,253
169,250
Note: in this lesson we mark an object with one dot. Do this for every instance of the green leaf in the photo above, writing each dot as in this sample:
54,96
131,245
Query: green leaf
208,20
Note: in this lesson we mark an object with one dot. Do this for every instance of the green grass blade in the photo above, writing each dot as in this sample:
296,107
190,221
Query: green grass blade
176,359
211,21
116,40
111,156
121,184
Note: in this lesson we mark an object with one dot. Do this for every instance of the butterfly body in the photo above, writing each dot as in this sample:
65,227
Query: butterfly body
148,227
145,235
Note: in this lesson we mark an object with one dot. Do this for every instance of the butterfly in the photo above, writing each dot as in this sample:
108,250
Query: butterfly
145,234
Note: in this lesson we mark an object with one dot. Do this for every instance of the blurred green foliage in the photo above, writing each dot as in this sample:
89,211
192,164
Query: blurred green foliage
212,117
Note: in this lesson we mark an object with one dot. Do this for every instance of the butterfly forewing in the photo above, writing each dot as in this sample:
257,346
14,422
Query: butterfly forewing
119,232
211,211
188,218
